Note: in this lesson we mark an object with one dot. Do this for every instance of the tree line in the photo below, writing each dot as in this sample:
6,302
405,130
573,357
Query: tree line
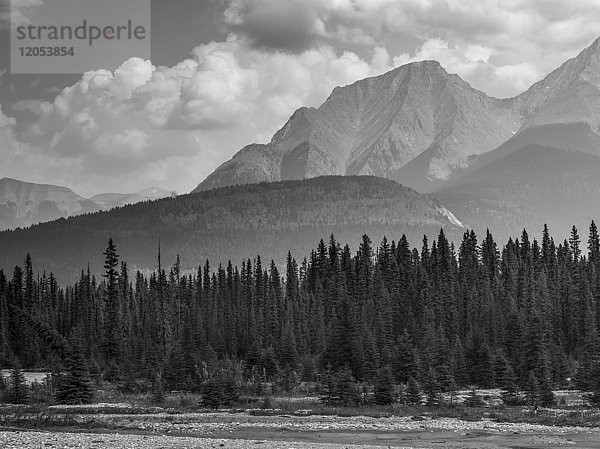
521,317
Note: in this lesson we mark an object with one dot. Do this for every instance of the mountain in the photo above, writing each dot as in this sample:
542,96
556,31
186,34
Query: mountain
23,204
560,111
111,200
233,223
524,189
423,127
549,171
431,131
417,113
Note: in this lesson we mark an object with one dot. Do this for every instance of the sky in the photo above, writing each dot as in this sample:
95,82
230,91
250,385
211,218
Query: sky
227,73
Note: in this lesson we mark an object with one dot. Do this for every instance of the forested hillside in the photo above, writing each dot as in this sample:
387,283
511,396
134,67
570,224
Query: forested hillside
525,313
231,223
524,189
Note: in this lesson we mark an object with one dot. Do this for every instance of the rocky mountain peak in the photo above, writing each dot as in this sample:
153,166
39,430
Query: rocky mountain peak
416,124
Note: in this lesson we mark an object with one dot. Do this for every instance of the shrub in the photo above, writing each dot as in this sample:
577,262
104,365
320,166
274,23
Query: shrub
474,400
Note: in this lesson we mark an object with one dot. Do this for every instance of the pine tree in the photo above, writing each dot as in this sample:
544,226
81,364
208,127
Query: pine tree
547,396
220,391
574,244
432,389
593,397
74,386
510,390
383,387
268,362
413,391
158,390
175,374
288,354
532,389
344,389
111,298
403,359
18,391
594,245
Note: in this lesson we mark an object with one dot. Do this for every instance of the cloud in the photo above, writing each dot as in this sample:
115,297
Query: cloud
533,35
16,12
297,25
144,125
290,25
473,63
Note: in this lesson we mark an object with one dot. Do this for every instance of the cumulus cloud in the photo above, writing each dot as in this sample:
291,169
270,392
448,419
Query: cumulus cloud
174,125
145,124
523,39
473,63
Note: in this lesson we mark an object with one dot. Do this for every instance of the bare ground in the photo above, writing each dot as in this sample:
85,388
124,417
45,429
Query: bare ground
215,430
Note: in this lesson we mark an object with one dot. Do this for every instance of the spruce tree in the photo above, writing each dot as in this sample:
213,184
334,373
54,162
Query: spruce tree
220,391
413,391
157,395
432,388
403,359
532,389
344,388
288,354
547,396
74,387
510,390
593,396
175,373
18,391
383,387
112,306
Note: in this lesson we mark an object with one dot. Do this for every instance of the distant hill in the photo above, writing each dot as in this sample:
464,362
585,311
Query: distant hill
23,204
233,223
524,189
111,200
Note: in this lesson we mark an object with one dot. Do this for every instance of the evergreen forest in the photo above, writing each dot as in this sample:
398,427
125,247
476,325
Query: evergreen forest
477,315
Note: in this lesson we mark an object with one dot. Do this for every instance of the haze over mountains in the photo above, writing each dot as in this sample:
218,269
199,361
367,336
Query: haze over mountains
432,131
233,223
110,200
23,204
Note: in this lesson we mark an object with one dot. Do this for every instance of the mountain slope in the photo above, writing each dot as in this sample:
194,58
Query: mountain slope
111,200
233,223
376,126
23,204
560,111
424,128
524,189
549,171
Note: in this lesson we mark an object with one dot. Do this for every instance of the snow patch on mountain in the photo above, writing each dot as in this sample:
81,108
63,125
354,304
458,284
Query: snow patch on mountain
455,221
